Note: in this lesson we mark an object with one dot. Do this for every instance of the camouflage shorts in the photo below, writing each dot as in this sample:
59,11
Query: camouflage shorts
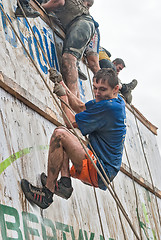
78,35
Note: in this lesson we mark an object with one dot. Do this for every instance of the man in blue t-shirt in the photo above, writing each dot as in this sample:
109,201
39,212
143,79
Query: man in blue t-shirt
103,119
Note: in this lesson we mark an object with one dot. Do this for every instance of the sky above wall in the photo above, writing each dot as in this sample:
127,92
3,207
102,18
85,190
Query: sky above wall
131,30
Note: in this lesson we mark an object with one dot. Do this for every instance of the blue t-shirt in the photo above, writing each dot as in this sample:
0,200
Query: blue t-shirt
104,121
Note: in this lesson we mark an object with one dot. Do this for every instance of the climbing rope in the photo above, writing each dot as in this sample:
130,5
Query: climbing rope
106,182
39,47
136,197
45,56
148,169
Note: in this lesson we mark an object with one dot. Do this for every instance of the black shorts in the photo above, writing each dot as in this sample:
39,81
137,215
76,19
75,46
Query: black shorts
78,35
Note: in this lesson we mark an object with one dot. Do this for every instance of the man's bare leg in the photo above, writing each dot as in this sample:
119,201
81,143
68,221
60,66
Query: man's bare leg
55,161
63,146
65,172
70,73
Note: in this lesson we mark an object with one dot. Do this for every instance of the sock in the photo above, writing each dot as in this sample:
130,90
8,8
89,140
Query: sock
66,181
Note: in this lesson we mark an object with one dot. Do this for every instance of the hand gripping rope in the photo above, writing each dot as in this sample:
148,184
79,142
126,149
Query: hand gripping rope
106,181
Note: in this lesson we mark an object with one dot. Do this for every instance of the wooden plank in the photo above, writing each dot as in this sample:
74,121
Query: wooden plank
152,154
140,180
133,148
142,119
24,96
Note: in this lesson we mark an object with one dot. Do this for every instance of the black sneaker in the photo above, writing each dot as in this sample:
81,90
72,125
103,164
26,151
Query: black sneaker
129,87
36,195
30,13
60,189
128,97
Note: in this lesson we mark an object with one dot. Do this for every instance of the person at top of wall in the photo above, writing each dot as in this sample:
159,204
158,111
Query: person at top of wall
117,65
79,29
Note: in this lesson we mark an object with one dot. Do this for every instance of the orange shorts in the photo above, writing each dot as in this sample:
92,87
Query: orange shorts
88,175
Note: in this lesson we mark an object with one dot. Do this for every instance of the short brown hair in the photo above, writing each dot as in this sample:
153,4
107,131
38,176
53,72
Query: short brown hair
119,61
107,74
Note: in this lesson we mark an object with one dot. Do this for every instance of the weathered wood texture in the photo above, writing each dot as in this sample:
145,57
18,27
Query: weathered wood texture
28,116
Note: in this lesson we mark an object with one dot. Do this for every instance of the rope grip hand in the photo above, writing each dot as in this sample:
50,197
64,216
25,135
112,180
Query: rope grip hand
59,90
56,78
54,75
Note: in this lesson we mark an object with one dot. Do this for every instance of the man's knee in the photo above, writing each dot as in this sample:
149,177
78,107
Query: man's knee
58,135
60,132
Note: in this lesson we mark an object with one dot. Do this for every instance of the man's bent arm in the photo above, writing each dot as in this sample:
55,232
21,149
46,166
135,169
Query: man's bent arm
76,104
51,5
69,114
